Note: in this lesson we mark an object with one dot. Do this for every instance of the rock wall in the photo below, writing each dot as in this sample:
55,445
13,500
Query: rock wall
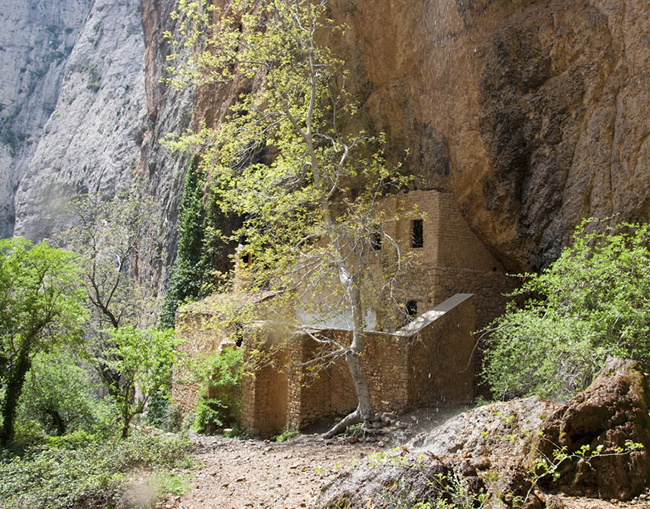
82,109
36,38
530,111
91,140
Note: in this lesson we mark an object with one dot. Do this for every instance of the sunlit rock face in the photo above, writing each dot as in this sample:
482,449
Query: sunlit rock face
36,38
91,141
534,113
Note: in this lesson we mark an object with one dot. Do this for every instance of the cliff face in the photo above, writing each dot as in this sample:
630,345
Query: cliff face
91,140
82,110
532,112
36,38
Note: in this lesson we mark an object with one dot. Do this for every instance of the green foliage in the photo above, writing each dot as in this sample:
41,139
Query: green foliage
175,484
61,397
219,376
286,435
86,473
186,279
280,159
143,359
295,160
40,309
590,303
201,250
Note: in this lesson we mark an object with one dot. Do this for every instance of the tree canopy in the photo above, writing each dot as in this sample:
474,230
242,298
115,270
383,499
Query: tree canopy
40,307
590,303
294,159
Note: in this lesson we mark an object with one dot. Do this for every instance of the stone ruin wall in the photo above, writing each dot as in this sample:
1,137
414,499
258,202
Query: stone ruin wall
432,366
200,339
442,360
452,260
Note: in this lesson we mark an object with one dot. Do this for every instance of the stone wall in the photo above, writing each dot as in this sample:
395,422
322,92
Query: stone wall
452,259
441,360
428,362
200,340
404,370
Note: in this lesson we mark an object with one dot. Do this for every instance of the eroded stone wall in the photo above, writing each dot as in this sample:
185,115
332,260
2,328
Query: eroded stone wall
429,362
452,258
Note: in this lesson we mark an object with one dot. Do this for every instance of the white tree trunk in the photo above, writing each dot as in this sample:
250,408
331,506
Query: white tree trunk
364,411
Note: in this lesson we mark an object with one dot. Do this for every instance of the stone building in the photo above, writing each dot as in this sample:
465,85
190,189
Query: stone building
456,286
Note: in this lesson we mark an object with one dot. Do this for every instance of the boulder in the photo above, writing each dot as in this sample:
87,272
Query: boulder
611,413
495,447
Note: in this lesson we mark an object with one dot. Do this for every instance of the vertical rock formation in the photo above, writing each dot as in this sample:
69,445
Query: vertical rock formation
91,141
532,112
36,38
168,111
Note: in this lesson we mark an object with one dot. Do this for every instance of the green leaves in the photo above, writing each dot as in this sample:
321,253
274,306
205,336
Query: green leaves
591,303
143,358
40,307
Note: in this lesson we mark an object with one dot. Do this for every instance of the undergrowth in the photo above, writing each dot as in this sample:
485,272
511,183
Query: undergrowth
83,470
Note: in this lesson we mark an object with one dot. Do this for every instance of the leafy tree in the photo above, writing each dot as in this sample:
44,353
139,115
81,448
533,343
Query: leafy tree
60,395
115,241
592,302
40,308
219,375
143,358
292,159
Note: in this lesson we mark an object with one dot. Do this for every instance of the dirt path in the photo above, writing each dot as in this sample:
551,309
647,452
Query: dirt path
240,474
237,474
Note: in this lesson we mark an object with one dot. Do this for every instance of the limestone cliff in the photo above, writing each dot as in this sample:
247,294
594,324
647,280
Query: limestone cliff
532,112
82,110
36,38
91,141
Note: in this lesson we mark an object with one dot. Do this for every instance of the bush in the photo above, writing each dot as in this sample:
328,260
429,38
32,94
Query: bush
220,396
590,303
80,470
59,395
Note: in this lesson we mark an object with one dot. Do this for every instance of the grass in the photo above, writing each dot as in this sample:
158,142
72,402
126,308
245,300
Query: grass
286,435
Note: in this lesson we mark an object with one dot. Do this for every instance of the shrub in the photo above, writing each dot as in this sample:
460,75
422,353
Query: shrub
80,470
590,303
220,396
59,395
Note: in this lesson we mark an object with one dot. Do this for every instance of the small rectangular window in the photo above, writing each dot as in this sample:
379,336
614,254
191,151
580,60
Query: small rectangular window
411,310
375,241
417,233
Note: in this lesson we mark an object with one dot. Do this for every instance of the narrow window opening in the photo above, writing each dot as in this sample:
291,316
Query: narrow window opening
375,241
411,310
417,234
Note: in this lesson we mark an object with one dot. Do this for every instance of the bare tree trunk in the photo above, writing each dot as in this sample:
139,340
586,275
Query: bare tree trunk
364,411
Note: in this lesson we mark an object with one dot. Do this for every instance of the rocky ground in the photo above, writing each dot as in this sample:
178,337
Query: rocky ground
236,474
491,446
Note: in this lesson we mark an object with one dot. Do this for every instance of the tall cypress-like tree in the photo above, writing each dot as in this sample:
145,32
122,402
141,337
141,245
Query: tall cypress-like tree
187,275
202,250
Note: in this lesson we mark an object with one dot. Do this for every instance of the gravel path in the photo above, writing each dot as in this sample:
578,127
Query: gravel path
239,474
236,474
